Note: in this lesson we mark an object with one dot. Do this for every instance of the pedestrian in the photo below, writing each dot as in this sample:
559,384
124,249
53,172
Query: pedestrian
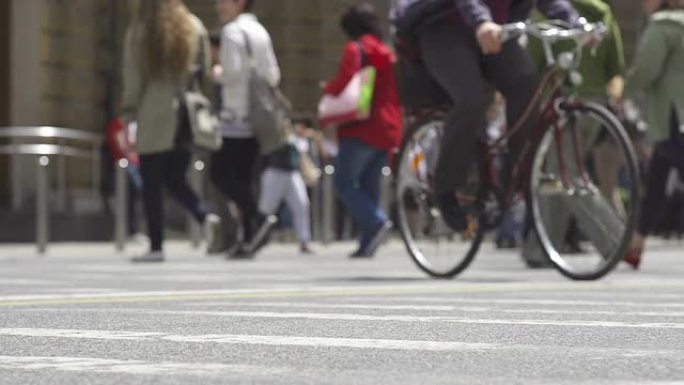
658,72
281,181
234,169
364,146
228,237
162,51
121,148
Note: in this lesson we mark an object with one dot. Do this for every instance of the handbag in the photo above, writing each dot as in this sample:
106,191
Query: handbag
269,109
354,103
200,128
310,172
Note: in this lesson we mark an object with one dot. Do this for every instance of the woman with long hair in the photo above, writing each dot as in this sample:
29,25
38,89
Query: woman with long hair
162,56
658,72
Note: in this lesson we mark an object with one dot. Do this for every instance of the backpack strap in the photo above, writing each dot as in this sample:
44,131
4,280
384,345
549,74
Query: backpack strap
248,48
363,55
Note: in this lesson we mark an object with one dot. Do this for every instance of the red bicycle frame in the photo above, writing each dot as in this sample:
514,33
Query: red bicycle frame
549,118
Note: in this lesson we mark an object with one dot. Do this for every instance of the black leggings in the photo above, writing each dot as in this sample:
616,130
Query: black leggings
233,171
667,155
166,169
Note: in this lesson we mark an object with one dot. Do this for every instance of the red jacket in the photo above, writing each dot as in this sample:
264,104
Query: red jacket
384,127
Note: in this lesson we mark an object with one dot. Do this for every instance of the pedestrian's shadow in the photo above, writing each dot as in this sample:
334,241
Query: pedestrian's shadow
374,279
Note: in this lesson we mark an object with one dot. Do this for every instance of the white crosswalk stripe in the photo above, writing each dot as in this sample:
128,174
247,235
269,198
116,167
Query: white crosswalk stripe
100,365
314,342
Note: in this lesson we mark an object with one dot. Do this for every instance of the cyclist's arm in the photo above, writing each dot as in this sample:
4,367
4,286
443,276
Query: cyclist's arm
474,12
558,10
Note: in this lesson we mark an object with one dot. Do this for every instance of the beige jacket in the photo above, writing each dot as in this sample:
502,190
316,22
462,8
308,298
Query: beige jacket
153,104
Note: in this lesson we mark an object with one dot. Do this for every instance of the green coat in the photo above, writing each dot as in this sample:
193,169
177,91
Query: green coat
599,66
659,71
153,103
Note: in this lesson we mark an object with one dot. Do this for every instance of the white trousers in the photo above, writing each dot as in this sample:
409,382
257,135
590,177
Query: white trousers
278,185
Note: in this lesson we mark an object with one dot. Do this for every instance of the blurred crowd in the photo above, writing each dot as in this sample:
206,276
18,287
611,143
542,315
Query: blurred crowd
257,185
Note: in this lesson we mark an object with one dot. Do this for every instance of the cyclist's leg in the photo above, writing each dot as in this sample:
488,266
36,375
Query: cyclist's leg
452,57
515,75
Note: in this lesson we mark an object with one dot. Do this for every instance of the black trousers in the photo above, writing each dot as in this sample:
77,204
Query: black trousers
167,169
234,172
453,58
667,155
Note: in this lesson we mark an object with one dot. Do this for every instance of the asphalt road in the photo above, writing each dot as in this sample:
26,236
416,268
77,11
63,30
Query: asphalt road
85,316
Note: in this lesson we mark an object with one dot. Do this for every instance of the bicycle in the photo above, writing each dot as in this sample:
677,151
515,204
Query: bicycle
555,172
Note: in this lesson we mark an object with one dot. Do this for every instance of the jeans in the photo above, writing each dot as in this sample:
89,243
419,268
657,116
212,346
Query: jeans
166,169
358,174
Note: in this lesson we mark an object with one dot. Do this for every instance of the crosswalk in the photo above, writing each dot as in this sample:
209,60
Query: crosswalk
274,322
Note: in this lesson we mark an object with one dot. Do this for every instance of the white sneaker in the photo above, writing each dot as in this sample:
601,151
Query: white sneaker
212,229
139,239
151,257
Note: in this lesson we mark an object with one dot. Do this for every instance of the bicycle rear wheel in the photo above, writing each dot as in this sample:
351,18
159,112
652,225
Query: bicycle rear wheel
584,192
437,249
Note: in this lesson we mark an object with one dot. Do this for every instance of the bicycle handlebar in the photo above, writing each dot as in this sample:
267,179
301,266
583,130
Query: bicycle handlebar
550,33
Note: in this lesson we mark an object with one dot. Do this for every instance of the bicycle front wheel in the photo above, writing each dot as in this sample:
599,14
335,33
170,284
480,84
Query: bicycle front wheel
584,192
436,249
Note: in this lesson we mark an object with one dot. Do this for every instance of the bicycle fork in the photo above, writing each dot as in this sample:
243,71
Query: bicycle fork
570,183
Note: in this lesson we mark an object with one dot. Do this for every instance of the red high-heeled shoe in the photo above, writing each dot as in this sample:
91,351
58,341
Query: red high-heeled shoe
633,257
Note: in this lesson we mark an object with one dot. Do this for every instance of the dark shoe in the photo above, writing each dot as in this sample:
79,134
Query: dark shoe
451,211
633,257
574,248
151,257
538,264
261,237
507,244
368,249
305,249
241,253
360,254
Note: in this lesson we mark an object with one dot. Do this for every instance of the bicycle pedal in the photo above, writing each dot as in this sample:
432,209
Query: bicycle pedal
471,231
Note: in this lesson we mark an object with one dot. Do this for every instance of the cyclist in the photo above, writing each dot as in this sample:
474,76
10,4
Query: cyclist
460,44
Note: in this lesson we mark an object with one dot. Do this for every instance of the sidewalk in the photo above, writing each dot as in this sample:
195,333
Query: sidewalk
172,247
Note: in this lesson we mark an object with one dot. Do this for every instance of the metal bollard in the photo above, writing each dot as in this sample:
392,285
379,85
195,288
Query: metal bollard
316,219
316,203
194,229
386,189
61,181
96,175
121,220
17,183
42,208
328,204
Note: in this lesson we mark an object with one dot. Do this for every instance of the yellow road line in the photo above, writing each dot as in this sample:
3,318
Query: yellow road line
340,292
